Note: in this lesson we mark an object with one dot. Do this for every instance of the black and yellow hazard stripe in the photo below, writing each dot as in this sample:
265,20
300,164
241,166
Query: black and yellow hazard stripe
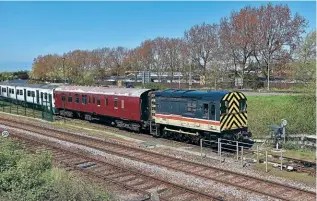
234,118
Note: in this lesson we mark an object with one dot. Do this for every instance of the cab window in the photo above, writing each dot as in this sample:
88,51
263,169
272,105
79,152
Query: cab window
242,105
223,107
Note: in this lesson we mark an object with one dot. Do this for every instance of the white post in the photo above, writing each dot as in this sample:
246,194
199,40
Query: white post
265,161
284,134
257,153
218,146
220,151
237,146
201,148
241,153
281,160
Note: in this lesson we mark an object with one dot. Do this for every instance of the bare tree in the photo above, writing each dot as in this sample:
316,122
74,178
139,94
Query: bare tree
237,35
277,32
117,56
203,42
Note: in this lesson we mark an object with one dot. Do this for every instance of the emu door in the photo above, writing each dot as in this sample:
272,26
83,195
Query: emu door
37,97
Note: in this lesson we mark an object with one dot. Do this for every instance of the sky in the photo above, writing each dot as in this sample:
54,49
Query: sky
29,29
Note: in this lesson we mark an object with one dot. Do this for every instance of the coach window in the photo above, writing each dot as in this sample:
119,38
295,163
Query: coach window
98,101
122,104
115,103
106,102
63,98
88,99
70,99
76,98
83,99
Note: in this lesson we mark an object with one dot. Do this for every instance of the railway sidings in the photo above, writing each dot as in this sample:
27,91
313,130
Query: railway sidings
271,190
124,177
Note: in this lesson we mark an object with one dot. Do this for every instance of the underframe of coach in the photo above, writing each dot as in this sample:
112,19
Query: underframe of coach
108,120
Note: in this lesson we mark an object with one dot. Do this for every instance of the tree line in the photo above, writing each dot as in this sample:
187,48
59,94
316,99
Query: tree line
261,39
23,75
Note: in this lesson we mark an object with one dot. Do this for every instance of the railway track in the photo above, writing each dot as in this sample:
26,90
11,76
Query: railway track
237,180
129,179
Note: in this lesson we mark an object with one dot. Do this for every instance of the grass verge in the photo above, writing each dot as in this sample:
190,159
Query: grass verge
299,111
295,176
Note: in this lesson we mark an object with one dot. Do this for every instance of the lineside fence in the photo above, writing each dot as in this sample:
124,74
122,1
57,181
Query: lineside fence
241,152
299,140
37,109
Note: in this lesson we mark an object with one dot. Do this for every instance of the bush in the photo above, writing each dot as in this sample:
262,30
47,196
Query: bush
25,176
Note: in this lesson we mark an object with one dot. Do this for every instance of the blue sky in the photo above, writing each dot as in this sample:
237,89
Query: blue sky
28,29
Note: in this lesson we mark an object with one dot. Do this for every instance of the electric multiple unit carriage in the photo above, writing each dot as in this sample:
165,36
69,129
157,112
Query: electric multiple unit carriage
182,114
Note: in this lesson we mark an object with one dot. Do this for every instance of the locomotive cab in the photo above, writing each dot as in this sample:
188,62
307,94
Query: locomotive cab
200,114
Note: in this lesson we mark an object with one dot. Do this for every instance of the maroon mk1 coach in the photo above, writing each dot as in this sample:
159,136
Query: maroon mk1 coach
123,107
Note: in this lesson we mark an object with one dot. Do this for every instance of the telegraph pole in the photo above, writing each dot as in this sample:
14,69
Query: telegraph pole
63,59
268,75
190,76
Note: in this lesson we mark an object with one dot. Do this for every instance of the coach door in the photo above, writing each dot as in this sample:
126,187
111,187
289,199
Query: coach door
24,94
37,97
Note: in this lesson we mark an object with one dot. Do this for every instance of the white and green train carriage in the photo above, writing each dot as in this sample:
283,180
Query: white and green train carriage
28,94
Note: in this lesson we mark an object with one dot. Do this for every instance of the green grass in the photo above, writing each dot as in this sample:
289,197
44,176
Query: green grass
295,176
299,154
298,110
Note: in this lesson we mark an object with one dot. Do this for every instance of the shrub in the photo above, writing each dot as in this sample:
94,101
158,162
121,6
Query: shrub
25,176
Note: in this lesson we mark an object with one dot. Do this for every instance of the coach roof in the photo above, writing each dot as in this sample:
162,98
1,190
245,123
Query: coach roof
132,92
39,86
204,95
